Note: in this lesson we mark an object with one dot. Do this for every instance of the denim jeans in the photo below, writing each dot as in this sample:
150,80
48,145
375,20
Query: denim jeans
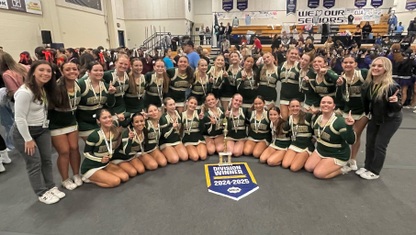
38,166
7,120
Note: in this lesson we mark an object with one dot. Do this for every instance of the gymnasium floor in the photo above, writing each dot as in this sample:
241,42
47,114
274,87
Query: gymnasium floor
175,200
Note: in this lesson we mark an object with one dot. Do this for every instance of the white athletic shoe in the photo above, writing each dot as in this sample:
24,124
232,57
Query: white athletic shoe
345,170
69,184
56,192
2,169
48,198
368,175
360,171
77,180
4,157
353,164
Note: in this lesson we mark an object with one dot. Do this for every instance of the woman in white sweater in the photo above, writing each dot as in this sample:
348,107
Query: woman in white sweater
32,137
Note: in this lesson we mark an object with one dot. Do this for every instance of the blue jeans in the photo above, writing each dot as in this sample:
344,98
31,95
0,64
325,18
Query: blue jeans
7,120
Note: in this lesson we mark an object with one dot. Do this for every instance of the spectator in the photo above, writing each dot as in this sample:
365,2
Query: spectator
257,47
411,30
167,59
193,57
225,45
366,30
399,29
208,35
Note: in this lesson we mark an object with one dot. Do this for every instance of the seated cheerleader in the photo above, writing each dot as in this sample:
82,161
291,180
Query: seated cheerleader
132,145
259,135
99,149
334,135
192,127
213,119
299,127
152,127
274,154
236,118
170,140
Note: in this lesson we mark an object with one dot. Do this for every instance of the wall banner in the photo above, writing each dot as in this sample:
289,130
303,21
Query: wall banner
376,3
290,7
242,5
318,16
233,181
329,4
410,5
360,3
313,3
227,5
27,6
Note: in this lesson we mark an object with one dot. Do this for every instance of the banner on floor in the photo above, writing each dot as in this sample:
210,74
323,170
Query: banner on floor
227,5
234,181
242,5
313,3
28,6
329,4
376,3
360,3
410,5
290,7
315,16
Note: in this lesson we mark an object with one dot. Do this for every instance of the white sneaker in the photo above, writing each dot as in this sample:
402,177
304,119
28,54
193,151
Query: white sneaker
48,198
2,169
56,192
353,164
4,156
368,175
345,170
77,180
69,184
360,171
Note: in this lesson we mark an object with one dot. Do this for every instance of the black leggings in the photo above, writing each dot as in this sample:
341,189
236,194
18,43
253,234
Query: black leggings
2,144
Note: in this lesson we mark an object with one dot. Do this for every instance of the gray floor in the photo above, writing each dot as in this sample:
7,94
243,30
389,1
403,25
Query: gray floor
175,200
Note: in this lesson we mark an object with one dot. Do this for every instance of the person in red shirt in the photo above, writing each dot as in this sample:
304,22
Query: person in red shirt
257,45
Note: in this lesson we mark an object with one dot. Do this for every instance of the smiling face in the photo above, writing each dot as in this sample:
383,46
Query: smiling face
305,60
327,104
96,73
183,63
294,107
377,68
258,104
268,58
202,65
42,74
153,112
70,71
234,58
191,104
318,63
219,61
159,67
293,55
349,64
274,115
211,101
105,120
138,123
248,63
137,67
236,101
170,105
122,64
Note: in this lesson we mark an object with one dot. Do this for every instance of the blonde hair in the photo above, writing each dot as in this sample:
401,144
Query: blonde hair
386,79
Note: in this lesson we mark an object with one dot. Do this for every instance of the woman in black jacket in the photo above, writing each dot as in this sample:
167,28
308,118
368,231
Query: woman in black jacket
381,96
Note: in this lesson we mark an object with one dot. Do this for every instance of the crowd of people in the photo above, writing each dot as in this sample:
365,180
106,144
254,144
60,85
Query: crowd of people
135,114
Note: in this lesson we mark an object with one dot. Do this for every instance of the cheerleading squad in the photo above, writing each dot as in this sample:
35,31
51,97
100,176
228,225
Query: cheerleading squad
132,122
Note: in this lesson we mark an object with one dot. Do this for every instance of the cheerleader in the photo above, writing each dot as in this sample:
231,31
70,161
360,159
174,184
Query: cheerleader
202,85
291,82
259,129
236,118
229,87
180,80
274,154
63,125
152,127
99,150
213,119
268,80
157,85
217,74
132,146
350,92
170,140
247,82
192,128
94,95
311,103
334,135
137,84
299,127
120,80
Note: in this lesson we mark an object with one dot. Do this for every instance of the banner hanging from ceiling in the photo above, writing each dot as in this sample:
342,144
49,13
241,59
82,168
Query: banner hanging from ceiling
242,5
227,5
360,3
329,4
290,7
410,5
313,3
376,3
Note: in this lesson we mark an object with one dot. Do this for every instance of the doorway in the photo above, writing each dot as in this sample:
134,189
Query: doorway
121,38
